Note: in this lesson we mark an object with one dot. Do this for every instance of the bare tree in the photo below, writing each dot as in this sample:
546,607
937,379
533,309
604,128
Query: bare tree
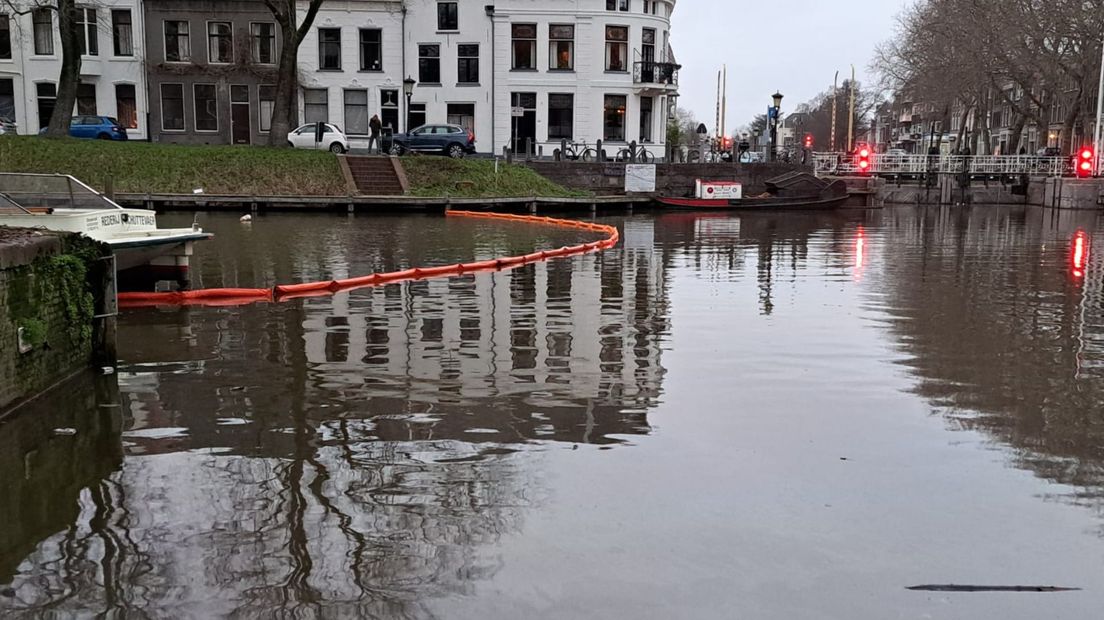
285,112
69,77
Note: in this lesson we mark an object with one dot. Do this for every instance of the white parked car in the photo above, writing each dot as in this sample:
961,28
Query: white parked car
333,139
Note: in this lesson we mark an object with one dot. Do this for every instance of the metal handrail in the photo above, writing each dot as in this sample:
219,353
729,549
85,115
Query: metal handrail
882,163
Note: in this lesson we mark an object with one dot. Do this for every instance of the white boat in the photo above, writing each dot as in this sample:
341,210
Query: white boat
144,254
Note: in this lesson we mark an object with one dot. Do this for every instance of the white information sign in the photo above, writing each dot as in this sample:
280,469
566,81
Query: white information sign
517,111
640,178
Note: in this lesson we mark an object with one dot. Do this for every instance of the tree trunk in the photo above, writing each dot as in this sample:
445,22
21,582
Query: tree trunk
69,79
285,111
1069,123
960,140
1017,135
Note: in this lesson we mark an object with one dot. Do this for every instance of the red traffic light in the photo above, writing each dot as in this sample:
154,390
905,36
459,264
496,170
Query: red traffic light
1085,162
808,140
864,152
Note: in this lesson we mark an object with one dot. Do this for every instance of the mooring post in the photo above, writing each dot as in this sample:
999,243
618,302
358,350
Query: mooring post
601,153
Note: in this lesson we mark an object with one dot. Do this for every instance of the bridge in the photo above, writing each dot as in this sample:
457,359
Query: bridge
841,164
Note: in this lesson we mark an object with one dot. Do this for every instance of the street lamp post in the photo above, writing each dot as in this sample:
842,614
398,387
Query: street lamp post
775,112
758,132
408,90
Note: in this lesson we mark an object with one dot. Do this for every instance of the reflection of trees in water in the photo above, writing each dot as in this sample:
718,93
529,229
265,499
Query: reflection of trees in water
1002,337
356,456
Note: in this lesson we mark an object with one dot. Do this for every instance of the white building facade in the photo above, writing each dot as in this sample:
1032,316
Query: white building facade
515,72
112,79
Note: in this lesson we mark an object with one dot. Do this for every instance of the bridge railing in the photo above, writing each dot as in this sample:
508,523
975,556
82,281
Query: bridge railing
885,164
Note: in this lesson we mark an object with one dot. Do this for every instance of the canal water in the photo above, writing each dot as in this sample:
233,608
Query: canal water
761,416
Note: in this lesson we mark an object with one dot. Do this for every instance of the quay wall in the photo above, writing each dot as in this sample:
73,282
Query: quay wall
49,287
607,178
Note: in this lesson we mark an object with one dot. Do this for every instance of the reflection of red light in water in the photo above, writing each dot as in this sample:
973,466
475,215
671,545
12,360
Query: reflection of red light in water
860,249
1080,258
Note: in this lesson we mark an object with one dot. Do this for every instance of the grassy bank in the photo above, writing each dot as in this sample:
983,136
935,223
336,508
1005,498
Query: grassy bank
169,168
476,178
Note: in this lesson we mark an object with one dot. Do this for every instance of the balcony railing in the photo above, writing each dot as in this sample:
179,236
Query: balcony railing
652,72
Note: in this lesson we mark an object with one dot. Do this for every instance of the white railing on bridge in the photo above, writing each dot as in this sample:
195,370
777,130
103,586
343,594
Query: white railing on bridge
884,164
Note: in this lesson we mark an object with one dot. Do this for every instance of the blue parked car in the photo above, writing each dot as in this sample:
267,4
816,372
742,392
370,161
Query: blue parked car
451,140
95,127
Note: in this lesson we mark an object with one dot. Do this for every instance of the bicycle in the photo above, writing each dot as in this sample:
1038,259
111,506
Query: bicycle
642,155
571,152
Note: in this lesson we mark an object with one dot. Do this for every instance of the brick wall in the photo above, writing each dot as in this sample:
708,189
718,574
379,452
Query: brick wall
31,293
671,179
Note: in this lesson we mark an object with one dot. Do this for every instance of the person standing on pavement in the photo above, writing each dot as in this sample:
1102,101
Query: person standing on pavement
374,126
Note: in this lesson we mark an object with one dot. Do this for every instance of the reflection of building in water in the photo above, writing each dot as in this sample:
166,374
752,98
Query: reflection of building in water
354,456
1003,333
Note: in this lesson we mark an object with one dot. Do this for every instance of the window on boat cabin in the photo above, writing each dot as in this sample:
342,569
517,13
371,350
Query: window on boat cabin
371,49
316,105
266,96
561,47
86,98
43,22
524,47
262,37
5,37
429,64
172,107
122,32
7,99
126,105
613,115
561,116
389,109
356,111
206,107
88,39
617,48
329,49
220,43
178,43
447,16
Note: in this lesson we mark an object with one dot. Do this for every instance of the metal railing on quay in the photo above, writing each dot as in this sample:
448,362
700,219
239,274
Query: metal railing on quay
995,165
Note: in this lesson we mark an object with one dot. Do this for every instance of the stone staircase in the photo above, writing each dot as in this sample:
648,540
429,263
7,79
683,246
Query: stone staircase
375,176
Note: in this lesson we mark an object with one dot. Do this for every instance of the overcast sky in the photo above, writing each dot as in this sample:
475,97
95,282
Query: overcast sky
793,46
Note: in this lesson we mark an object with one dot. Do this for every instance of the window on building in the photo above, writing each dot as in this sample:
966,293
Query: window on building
523,129
7,99
86,99
266,97
206,107
329,49
46,93
356,111
88,39
126,106
172,107
389,108
524,48
417,115
122,33
5,37
447,17
263,42
371,49
316,105
467,64
429,64
462,114
561,116
43,22
617,5
613,115
617,48
647,119
220,43
561,47
178,44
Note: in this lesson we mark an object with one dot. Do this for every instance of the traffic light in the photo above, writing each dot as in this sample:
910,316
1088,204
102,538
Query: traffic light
808,140
864,160
1085,160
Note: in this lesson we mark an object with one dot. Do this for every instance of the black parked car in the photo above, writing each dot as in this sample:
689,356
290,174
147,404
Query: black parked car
451,140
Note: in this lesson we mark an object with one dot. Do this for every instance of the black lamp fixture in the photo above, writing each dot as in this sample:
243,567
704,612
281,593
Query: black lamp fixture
777,100
776,113
408,90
